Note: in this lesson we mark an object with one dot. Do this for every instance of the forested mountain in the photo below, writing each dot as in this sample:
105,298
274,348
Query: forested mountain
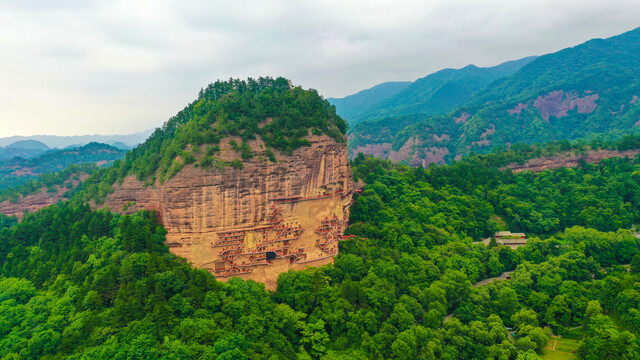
435,94
17,171
28,144
23,148
78,283
353,106
575,93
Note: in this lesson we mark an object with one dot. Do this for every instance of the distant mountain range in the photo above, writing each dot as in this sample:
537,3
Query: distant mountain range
18,170
587,91
61,142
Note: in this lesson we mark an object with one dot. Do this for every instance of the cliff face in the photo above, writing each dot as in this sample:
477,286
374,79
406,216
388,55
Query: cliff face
569,160
254,222
410,151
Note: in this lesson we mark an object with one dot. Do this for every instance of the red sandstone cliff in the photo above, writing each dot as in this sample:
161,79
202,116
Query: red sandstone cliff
254,222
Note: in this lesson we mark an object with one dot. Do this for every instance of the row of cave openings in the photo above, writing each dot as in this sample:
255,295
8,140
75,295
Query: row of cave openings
277,238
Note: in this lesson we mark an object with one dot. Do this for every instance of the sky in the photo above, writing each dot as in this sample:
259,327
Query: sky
77,67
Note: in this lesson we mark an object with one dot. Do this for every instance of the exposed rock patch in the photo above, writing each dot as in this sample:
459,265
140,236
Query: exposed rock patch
377,150
569,160
518,109
434,155
558,104
441,138
484,135
405,151
37,201
23,172
462,118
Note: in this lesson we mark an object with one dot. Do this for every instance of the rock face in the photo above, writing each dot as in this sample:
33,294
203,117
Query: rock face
569,160
558,104
37,201
254,222
377,150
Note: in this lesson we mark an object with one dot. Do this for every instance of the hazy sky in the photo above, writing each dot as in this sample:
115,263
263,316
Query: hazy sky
83,67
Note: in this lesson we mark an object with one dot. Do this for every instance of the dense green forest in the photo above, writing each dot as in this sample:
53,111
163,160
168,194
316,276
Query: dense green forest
77,283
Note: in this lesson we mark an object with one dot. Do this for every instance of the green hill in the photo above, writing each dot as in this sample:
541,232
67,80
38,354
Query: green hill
28,144
435,94
17,171
353,106
23,149
590,90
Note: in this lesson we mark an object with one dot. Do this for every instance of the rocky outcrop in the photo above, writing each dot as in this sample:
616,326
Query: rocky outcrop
433,155
462,118
569,160
34,202
405,151
558,104
254,222
517,110
381,150
488,132
441,138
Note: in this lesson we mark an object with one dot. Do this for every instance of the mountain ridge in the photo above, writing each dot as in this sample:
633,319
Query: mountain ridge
586,91
434,94
62,141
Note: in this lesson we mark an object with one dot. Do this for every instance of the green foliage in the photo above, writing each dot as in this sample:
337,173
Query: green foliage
84,284
268,108
602,196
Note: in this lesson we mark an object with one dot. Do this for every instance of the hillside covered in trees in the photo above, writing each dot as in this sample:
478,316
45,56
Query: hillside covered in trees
435,94
580,92
78,283
18,171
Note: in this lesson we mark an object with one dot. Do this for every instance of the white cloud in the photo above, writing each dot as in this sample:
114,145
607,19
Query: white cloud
77,66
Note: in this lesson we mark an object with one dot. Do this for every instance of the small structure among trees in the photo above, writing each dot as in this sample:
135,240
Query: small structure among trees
507,238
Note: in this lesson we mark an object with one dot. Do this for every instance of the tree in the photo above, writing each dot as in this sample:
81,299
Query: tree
635,264
528,355
524,317
315,337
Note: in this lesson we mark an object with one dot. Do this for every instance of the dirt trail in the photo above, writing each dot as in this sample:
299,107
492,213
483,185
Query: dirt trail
484,282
